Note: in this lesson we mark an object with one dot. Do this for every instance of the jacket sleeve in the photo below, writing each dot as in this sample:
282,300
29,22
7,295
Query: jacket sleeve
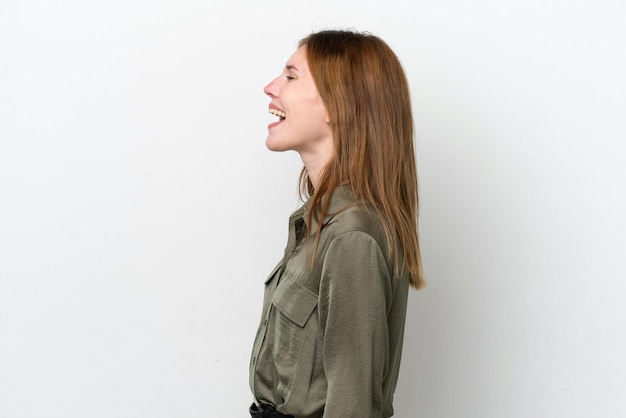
355,292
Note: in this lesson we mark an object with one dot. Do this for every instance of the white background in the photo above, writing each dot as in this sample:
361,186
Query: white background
140,211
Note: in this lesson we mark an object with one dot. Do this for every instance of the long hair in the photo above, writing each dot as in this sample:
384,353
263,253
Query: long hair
366,94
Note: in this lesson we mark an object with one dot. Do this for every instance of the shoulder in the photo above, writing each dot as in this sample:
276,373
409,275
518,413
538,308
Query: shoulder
352,223
358,222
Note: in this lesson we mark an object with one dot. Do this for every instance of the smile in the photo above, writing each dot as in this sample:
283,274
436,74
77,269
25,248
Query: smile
278,113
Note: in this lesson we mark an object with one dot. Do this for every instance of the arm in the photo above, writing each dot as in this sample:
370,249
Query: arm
355,291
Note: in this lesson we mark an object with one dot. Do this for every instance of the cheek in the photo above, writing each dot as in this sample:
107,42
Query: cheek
304,107
319,111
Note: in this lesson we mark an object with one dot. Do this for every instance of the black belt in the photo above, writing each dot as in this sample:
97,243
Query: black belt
266,411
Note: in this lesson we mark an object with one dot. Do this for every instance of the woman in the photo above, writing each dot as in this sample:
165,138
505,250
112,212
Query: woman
330,338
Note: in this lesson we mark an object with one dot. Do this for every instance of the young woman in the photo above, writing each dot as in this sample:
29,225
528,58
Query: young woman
330,338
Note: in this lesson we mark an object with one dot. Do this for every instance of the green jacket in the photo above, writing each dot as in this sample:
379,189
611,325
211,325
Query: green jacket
330,339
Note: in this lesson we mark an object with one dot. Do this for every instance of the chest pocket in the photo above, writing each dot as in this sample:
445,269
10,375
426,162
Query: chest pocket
294,301
295,330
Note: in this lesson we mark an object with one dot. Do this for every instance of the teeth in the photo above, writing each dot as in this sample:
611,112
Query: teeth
278,113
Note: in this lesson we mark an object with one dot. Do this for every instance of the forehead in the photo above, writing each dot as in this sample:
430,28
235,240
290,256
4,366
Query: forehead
297,61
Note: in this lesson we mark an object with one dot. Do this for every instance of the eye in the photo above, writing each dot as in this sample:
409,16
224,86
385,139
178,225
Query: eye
289,77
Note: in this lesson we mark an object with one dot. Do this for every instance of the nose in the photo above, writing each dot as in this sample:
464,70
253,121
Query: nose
272,88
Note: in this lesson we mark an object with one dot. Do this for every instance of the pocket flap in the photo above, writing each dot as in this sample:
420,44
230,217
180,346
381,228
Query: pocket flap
294,301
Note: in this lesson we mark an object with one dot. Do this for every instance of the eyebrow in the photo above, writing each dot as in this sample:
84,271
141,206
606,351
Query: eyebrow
291,67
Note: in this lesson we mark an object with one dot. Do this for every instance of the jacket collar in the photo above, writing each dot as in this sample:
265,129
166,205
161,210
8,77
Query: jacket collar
340,200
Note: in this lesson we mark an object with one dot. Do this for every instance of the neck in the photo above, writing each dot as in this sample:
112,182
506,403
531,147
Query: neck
314,169
314,164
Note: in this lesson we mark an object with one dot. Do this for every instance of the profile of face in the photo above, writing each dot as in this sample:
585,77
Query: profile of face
303,123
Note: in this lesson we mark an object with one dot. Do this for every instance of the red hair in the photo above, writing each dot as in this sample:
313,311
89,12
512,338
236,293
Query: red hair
366,94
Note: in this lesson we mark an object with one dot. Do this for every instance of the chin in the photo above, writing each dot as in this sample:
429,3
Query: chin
274,145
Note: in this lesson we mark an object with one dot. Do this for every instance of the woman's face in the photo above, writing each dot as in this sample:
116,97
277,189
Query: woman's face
303,124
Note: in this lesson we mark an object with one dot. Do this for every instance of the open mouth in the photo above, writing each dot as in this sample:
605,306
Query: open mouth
281,115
